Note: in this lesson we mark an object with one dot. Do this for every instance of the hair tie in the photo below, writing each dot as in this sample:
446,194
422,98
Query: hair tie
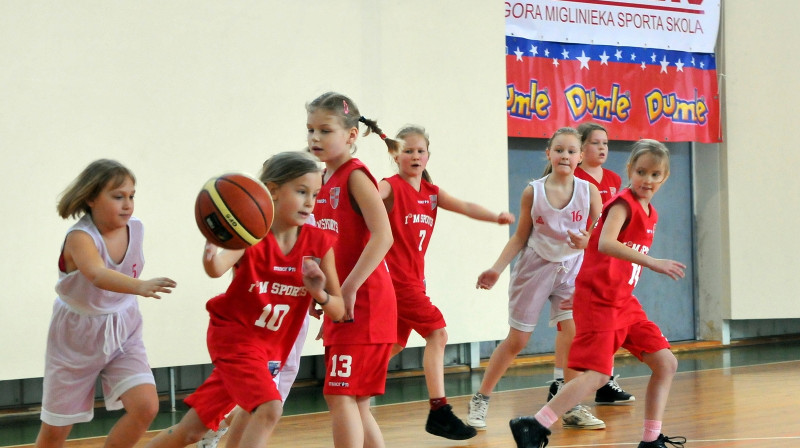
383,136
362,119
345,107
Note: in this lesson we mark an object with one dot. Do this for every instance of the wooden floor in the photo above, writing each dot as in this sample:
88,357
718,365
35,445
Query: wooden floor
753,406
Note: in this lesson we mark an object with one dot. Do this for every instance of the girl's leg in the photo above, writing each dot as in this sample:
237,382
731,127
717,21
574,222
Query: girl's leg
188,431
396,348
373,438
564,339
433,362
502,357
261,423
52,436
141,407
239,422
576,390
348,429
664,365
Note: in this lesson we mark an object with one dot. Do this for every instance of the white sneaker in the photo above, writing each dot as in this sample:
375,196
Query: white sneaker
211,439
478,407
579,417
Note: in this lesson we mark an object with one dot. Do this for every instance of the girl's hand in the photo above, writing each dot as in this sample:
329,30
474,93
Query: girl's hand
505,218
313,311
318,337
671,268
578,240
313,278
487,279
152,287
349,306
210,250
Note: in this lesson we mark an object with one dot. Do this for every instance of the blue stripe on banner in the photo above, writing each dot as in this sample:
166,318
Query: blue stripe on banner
521,47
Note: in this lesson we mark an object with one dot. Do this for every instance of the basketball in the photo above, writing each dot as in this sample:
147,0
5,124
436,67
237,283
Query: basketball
234,211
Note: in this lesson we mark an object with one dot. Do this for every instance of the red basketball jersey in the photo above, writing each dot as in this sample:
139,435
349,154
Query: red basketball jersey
604,287
609,186
266,302
375,314
412,217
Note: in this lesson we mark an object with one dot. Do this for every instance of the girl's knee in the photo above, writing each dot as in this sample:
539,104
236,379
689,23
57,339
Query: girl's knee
144,411
267,414
515,341
437,337
672,363
662,362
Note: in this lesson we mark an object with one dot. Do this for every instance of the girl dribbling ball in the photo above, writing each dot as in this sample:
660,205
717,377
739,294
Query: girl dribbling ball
254,325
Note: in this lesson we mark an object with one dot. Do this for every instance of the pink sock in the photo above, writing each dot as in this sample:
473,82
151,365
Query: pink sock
546,417
652,429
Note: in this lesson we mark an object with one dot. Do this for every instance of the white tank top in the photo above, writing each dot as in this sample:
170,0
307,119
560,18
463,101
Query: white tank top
81,295
549,236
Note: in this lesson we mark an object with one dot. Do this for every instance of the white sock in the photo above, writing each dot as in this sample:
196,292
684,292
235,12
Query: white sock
558,373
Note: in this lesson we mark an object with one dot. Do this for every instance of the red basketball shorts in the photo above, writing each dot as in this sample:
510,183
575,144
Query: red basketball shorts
356,369
595,350
416,312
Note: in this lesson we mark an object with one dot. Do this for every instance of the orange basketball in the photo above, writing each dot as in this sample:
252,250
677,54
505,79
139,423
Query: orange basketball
234,211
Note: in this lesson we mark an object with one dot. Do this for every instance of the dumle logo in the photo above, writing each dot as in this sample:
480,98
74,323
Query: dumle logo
582,101
536,103
669,106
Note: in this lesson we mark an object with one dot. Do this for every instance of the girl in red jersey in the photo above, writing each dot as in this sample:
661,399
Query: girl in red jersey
606,313
412,202
594,144
356,350
255,323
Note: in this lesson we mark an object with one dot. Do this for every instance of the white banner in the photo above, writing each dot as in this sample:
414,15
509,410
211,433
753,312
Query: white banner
684,25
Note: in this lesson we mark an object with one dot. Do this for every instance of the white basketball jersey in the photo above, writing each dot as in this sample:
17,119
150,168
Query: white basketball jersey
549,236
80,294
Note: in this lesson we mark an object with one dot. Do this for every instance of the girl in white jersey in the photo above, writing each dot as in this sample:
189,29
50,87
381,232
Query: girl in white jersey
96,327
555,213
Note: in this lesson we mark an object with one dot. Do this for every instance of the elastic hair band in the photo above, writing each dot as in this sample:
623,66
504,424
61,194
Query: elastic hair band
362,119
383,136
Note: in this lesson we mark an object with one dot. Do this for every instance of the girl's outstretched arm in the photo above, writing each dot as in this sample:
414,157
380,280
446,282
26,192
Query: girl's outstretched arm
80,249
608,244
372,209
518,240
217,262
473,210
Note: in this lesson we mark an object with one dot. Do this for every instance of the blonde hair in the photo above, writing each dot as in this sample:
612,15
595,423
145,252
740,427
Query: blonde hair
285,166
347,111
649,146
87,186
413,129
